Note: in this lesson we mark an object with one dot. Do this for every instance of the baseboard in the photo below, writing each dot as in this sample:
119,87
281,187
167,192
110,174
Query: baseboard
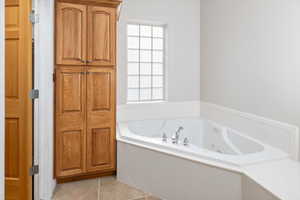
278,134
83,177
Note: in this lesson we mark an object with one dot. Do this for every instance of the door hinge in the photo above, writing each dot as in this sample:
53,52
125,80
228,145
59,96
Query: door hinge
34,94
34,170
34,17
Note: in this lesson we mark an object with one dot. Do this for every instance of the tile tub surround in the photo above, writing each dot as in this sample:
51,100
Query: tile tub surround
106,188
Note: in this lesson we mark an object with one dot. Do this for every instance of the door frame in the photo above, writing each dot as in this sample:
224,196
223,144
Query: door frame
2,100
44,184
36,193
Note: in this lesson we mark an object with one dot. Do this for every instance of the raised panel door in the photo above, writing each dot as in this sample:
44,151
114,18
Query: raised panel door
101,36
101,119
70,121
18,106
71,39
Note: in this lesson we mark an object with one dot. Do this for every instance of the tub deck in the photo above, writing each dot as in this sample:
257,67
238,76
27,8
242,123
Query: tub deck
283,181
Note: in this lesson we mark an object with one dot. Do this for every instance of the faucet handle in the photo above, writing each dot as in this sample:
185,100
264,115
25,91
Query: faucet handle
186,141
164,137
174,139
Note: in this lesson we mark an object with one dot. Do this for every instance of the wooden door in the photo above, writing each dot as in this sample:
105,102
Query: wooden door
70,121
101,119
71,28
18,106
101,36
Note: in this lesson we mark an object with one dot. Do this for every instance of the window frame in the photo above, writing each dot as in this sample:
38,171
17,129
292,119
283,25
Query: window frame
164,62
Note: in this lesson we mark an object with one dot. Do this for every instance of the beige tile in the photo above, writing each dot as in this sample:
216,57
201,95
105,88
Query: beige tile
80,190
152,198
111,189
148,198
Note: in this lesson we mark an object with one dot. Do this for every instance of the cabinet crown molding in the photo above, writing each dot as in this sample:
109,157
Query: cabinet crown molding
109,3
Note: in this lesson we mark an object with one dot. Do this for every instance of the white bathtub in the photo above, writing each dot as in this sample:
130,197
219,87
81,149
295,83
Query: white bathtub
209,143
214,165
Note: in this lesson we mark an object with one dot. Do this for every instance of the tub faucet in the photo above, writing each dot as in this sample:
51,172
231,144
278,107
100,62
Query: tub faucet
186,141
164,137
175,137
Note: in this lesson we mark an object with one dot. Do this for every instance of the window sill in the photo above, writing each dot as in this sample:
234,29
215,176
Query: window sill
147,102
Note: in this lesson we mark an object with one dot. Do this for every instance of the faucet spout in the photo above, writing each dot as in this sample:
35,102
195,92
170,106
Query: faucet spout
175,137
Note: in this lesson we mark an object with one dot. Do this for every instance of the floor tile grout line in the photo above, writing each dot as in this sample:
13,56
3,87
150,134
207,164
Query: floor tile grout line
139,198
98,188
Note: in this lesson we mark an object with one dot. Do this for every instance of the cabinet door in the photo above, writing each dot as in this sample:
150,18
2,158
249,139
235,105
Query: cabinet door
101,36
71,34
70,121
100,119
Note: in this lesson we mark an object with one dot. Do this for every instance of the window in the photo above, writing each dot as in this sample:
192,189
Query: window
146,63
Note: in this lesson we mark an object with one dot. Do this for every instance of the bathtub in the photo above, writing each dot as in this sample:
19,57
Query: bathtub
208,142
223,144
212,160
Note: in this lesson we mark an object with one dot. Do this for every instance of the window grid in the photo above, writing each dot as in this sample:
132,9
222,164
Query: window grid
158,76
139,63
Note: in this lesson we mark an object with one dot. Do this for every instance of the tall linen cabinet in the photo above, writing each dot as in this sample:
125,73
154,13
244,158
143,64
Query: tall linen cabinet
85,88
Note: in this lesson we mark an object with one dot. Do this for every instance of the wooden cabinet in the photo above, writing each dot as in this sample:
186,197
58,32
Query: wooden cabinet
85,137
70,121
101,39
71,30
100,108
85,35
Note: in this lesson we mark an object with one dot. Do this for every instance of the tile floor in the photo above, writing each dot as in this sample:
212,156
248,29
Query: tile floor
106,188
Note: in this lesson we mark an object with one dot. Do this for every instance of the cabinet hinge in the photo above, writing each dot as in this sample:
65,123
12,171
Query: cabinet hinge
54,77
34,94
34,17
34,170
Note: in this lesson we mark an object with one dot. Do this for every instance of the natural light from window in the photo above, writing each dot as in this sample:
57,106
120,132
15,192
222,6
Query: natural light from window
146,63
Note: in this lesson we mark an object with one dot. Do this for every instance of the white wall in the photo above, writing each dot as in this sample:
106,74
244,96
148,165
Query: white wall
44,68
250,56
183,46
2,112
